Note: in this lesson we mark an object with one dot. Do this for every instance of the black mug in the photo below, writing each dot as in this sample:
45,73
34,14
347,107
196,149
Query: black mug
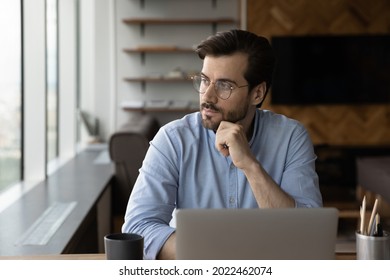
124,246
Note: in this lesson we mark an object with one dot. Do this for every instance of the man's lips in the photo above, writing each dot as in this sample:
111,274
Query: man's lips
209,113
209,110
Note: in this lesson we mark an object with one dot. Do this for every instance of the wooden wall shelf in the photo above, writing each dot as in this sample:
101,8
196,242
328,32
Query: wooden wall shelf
157,49
159,106
157,80
145,80
161,110
163,21
161,49
178,21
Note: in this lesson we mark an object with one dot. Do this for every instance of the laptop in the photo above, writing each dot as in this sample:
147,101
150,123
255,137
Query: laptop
254,234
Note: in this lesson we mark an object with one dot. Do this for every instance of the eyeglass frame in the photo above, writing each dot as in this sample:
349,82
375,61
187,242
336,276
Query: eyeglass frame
233,85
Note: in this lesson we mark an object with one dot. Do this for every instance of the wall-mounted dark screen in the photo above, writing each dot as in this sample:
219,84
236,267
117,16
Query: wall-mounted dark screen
331,70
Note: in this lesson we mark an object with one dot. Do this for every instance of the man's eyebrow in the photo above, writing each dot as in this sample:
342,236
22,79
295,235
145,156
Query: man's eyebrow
221,80
227,80
203,74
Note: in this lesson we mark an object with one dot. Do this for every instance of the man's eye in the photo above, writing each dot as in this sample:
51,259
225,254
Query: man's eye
224,86
204,80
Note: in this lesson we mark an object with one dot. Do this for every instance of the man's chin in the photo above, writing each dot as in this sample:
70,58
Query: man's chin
209,124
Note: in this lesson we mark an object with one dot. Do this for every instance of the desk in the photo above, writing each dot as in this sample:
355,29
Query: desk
57,257
339,256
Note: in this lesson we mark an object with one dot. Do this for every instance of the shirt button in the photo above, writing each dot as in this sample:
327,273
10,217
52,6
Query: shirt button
232,200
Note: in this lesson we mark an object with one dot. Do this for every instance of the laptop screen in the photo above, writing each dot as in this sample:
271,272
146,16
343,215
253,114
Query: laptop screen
287,233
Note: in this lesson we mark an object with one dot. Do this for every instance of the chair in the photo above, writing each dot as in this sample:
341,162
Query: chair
127,148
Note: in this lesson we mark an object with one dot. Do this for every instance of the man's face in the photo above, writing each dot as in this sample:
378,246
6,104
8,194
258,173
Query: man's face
214,109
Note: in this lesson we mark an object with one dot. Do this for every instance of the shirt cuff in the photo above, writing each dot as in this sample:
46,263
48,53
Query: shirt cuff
155,243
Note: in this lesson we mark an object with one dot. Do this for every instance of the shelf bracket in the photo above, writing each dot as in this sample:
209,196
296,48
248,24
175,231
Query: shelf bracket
214,26
142,29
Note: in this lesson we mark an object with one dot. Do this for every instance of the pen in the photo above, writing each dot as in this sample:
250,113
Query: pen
362,215
378,226
374,226
372,216
379,232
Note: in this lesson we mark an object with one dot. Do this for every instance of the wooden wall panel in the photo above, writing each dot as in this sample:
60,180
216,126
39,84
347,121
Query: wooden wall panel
328,124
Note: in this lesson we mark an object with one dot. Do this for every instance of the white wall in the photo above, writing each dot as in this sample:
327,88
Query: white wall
34,72
104,57
67,77
96,58
86,61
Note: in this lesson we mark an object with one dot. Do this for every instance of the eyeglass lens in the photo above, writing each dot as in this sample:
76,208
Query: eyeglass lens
222,89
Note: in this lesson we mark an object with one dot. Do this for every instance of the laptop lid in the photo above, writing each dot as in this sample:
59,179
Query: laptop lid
286,234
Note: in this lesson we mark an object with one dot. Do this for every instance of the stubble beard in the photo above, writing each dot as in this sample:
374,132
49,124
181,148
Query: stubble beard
230,116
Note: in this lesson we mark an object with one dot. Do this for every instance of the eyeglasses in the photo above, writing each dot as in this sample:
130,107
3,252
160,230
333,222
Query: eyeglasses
223,89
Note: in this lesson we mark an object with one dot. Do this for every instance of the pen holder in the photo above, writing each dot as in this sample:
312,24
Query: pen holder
373,247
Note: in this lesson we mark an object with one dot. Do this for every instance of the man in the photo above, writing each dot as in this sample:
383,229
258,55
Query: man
228,155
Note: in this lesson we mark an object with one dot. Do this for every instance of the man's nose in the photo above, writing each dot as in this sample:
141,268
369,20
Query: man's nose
210,95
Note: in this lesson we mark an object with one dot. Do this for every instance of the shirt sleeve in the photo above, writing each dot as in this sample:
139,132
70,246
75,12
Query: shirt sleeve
153,198
300,179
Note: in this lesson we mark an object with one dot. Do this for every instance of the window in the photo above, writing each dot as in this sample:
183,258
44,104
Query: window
10,93
52,79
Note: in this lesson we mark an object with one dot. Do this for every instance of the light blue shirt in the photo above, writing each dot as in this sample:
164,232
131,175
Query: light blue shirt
183,169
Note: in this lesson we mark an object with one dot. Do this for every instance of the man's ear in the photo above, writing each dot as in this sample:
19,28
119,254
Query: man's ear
259,93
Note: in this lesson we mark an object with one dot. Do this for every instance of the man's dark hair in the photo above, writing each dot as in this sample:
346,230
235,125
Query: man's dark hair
261,58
